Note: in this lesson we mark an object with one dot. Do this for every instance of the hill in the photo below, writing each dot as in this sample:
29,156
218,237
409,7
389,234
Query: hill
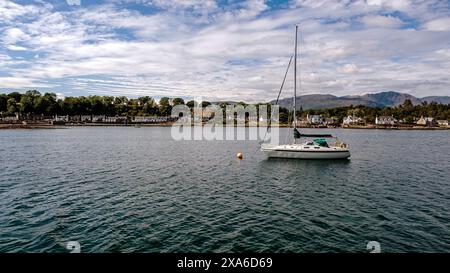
382,99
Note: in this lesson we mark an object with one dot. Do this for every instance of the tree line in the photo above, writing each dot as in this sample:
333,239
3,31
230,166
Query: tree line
407,112
33,103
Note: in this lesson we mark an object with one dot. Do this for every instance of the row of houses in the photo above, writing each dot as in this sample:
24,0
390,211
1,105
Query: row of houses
310,120
318,120
379,120
331,121
422,121
111,119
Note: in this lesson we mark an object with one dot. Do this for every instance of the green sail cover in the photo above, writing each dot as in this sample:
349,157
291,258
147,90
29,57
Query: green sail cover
321,142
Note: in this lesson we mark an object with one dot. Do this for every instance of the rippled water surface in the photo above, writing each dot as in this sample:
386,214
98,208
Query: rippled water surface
137,190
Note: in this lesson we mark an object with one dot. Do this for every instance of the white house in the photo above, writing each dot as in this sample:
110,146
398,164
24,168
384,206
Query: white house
442,123
85,118
115,119
9,119
352,120
61,118
385,120
427,121
98,118
143,119
314,119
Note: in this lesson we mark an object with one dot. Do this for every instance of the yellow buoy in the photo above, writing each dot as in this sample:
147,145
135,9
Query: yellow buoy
239,155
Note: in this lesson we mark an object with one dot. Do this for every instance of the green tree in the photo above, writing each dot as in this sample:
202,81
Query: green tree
165,109
242,103
46,104
108,103
177,101
15,95
69,106
84,106
408,104
3,103
191,104
284,115
223,105
133,107
144,100
27,104
121,105
150,107
97,105
12,106
205,104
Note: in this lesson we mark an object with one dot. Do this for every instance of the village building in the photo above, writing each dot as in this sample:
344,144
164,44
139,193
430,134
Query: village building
98,118
10,119
331,121
111,119
385,120
139,119
61,118
443,123
426,121
85,118
352,120
314,119
302,122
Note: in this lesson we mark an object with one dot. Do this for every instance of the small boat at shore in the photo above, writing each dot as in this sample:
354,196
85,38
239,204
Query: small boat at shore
306,146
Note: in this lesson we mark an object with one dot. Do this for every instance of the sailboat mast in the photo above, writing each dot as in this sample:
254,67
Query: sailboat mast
295,78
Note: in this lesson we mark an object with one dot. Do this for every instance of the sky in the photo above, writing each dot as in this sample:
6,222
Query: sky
224,50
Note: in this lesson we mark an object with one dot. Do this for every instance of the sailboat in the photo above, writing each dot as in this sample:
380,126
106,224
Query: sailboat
306,146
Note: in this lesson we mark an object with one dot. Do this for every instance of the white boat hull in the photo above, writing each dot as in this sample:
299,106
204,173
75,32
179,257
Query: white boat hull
300,153
308,155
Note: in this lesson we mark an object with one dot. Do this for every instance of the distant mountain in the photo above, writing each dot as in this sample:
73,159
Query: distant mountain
383,99
391,98
442,99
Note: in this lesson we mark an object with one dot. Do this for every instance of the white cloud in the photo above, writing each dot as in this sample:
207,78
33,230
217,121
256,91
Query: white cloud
382,21
183,4
348,68
13,82
60,96
441,24
10,11
13,35
73,2
401,5
16,48
236,53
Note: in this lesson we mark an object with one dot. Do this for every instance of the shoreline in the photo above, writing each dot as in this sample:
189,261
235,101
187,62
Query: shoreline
169,124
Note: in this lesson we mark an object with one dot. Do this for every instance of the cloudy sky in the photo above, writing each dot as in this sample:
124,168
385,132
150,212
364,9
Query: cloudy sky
228,50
